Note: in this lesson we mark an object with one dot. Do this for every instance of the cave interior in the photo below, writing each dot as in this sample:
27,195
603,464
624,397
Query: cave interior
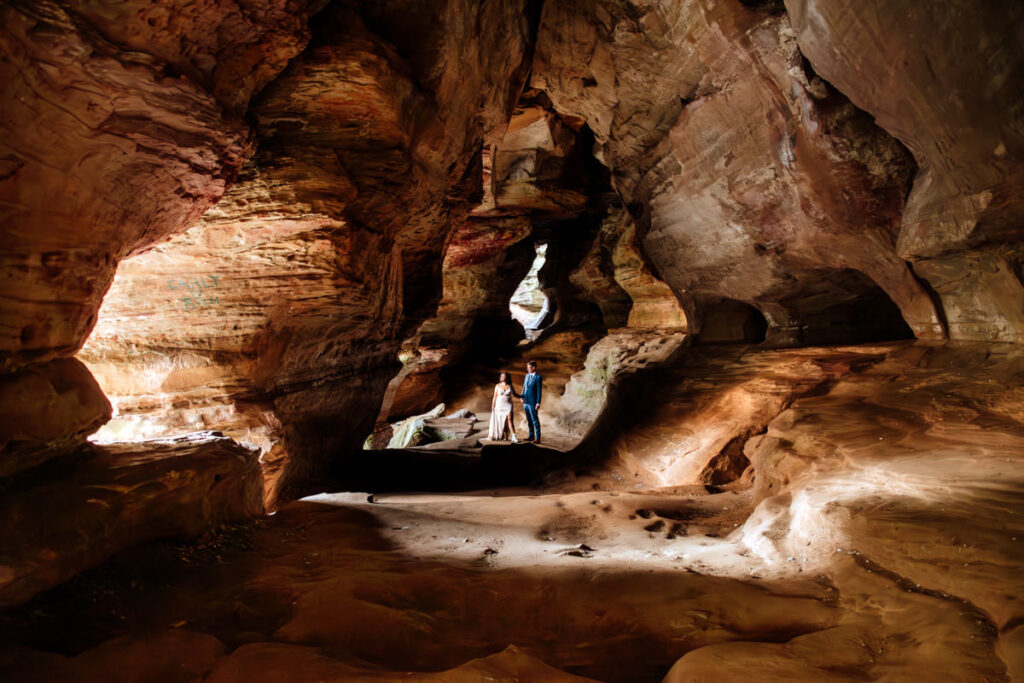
262,262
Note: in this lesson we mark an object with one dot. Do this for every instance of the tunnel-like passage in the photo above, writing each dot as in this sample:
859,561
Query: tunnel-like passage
262,263
732,322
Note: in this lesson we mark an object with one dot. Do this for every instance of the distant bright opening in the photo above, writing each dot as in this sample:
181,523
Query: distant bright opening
529,304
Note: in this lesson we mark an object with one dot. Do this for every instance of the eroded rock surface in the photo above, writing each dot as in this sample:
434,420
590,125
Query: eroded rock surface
705,115
873,535
48,409
538,179
894,470
954,100
312,206
122,126
297,290
114,497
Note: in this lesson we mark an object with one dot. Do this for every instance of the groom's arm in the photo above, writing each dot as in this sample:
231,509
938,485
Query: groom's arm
540,389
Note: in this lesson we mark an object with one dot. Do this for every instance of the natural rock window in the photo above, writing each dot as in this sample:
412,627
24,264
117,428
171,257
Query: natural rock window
529,304
263,261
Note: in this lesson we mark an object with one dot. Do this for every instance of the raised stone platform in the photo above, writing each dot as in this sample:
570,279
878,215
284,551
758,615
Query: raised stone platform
62,519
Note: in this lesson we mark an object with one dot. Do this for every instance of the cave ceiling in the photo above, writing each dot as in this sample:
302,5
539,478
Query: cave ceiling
292,223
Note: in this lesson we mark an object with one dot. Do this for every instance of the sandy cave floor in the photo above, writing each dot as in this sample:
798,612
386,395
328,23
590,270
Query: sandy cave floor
586,582
608,585
890,552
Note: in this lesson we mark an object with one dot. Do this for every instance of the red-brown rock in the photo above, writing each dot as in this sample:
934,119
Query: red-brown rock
47,409
115,497
299,286
108,148
755,181
945,82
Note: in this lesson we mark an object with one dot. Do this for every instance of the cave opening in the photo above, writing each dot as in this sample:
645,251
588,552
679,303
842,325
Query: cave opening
530,305
844,306
260,271
732,322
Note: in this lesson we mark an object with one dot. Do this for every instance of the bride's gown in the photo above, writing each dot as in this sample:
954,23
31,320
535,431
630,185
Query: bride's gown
498,430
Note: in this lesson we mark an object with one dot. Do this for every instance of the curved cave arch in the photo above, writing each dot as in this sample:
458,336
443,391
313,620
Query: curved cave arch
282,196
732,322
846,307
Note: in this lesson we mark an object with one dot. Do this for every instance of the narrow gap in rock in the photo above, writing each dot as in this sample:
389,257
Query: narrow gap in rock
529,305
273,280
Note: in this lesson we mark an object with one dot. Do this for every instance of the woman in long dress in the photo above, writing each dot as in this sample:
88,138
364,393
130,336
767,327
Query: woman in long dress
502,422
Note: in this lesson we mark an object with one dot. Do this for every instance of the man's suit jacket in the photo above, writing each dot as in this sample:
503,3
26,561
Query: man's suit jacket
532,388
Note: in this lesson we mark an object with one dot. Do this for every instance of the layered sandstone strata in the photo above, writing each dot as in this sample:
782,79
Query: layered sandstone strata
706,115
873,533
299,208
278,317
122,125
944,83
538,177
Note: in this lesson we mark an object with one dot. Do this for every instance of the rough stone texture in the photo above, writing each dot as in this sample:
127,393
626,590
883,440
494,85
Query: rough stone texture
873,537
713,401
812,657
413,431
182,655
615,275
47,409
732,322
117,496
268,306
612,318
618,355
357,597
844,511
168,655
755,180
946,82
645,323
483,263
231,48
892,470
539,165
299,286
539,178
279,662
942,448
595,278
113,141
121,125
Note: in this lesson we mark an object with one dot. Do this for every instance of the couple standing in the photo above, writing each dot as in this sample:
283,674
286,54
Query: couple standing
502,422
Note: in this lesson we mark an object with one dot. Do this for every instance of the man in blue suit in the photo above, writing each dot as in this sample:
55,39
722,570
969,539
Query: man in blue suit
530,397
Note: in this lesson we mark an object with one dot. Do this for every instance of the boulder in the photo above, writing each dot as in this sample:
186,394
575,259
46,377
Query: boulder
113,497
48,409
413,431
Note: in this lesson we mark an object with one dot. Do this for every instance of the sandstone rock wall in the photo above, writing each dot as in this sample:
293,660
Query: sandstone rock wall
113,497
302,198
539,183
946,82
278,317
754,179
120,128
